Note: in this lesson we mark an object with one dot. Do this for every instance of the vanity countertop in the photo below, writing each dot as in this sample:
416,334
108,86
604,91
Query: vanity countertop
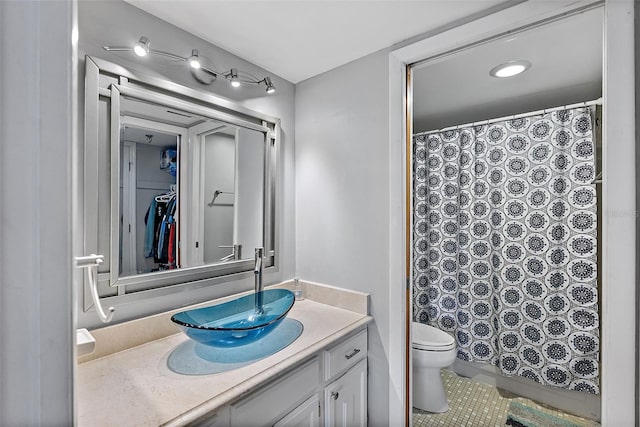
136,387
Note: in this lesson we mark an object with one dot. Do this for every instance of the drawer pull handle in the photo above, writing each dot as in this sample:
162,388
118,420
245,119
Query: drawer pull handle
335,395
353,353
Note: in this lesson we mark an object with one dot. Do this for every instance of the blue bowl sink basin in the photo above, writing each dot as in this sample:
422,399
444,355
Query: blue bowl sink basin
236,322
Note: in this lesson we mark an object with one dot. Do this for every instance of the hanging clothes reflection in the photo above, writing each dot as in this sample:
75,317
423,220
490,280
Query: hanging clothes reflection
160,234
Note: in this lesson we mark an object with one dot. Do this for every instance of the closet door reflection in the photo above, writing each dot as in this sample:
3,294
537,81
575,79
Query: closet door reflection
149,196
250,190
218,180
228,194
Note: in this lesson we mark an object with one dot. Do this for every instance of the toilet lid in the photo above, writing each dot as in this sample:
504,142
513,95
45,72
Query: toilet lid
427,337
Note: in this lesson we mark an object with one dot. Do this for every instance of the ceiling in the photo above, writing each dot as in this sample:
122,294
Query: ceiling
297,40
567,68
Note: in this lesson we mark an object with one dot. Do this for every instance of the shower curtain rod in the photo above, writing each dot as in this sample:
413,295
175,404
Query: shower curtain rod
518,116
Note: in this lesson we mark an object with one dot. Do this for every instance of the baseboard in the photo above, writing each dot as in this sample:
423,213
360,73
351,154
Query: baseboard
575,402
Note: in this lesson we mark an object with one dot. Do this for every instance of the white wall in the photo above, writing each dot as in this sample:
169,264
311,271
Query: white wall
342,196
37,89
116,23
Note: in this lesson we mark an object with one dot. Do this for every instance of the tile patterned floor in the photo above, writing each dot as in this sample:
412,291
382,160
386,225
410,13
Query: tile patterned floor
475,405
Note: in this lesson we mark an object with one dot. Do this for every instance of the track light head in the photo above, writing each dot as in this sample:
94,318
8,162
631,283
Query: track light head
233,76
270,87
194,59
141,48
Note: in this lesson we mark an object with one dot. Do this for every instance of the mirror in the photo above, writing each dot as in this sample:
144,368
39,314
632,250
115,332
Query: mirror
191,189
191,182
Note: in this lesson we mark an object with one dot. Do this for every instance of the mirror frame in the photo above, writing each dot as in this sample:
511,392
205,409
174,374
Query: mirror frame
100,81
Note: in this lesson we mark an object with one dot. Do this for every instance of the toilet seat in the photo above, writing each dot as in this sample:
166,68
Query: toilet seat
428,338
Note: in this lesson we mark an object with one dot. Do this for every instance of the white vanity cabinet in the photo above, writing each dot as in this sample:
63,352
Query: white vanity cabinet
284,389
345,399
329,389
345,373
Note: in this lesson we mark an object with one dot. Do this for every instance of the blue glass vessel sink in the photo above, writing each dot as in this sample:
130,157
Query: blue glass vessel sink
237,322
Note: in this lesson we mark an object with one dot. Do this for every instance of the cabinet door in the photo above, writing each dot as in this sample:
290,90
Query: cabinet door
346,398
307,414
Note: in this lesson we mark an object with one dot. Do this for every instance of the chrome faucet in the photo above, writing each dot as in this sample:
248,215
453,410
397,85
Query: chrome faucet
259,287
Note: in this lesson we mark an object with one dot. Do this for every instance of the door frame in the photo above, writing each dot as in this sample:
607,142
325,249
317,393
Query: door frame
618,251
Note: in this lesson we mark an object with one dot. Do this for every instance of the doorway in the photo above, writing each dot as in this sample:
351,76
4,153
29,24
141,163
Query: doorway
505,153
615,80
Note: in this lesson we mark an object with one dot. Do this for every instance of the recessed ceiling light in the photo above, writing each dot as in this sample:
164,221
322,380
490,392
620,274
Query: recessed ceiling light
511,68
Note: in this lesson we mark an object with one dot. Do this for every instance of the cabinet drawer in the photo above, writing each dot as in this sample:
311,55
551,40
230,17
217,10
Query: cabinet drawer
344,355
276,399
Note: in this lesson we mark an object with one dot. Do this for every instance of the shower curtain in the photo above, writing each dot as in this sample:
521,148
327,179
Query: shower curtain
504,235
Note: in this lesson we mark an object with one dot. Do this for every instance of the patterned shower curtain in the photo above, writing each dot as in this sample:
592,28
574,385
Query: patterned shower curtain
505,244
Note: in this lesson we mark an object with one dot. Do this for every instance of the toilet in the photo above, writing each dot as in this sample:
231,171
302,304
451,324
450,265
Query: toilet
432,350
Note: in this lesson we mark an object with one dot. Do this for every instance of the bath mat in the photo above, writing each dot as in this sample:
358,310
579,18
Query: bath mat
525,414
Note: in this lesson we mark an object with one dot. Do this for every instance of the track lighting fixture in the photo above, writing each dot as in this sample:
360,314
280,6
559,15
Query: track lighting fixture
141,48
194,60
201,73
270,87
233,78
